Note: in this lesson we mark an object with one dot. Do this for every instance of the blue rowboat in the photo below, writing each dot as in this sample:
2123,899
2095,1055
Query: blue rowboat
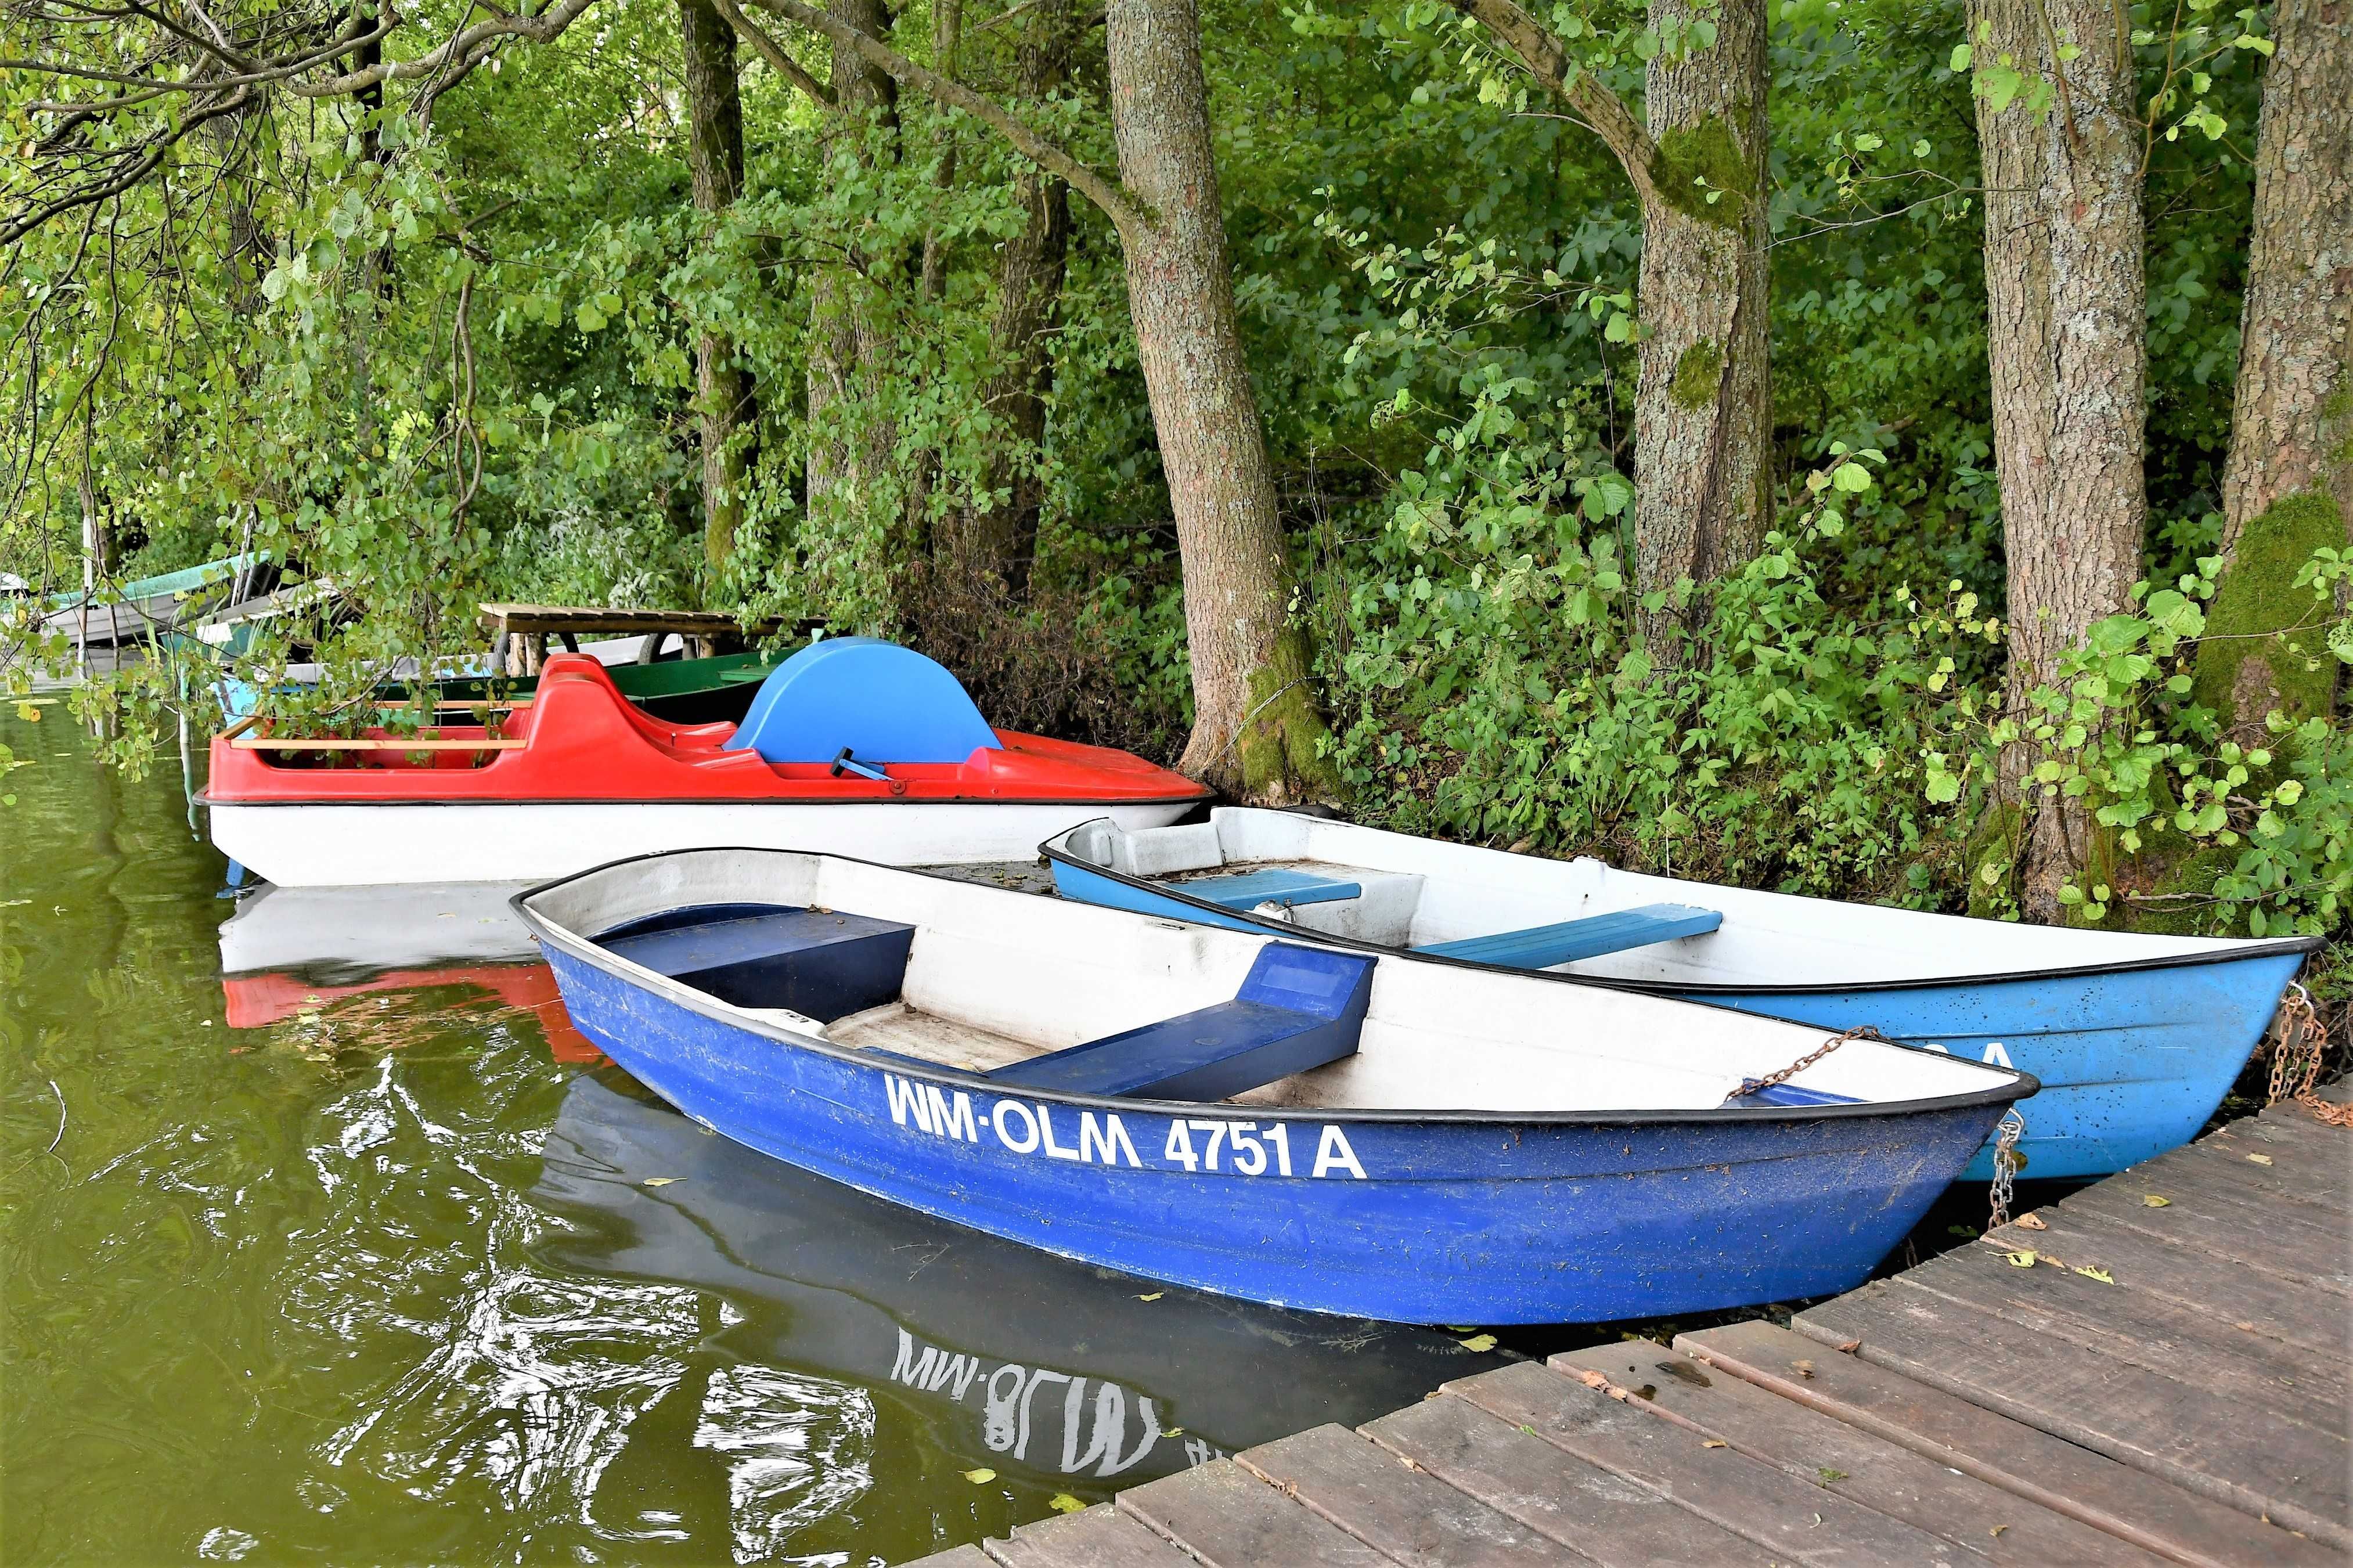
1334,1131
2135,1039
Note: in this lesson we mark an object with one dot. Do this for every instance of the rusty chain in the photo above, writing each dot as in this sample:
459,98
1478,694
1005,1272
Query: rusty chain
2299,1043
1758,1085
2005,1164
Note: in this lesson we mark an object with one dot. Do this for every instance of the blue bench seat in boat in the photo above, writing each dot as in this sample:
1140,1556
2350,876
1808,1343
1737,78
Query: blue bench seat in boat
824,964
1541,947
1299,1007
1276,885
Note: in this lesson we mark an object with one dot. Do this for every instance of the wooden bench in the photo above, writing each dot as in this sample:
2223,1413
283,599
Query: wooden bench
1277,885
823,964
1541,947
1300,1007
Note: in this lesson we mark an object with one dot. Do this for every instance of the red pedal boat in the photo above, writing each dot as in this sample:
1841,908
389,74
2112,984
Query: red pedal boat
854,747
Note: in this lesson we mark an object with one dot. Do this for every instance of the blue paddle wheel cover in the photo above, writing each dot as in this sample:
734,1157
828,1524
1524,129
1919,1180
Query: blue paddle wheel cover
884,702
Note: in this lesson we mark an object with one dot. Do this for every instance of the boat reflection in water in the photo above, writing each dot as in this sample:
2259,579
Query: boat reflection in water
292,952
622,1333
1043,1369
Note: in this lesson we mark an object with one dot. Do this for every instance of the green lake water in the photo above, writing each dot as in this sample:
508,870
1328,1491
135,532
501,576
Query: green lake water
358,1255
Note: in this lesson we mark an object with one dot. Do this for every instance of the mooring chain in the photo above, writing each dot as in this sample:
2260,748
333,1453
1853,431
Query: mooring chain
2005,1164
1758,1085
2299,1043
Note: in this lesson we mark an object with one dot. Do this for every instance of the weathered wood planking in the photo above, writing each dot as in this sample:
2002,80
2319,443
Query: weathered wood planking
1820,1450
2192,1407
1404,1512
2131,1504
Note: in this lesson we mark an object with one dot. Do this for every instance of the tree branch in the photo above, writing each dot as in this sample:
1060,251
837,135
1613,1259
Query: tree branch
1542,56
1125,214
767,48
460,55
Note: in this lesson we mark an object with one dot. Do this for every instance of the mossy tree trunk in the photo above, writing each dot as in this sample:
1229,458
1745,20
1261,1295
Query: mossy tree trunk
2288,489
998,540
1256,721
2066,302
1702,405
848,345
714,153
1258,727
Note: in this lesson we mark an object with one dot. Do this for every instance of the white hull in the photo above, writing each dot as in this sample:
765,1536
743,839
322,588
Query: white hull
298,845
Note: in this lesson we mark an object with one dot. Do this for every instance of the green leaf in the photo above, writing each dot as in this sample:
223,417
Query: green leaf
1961,60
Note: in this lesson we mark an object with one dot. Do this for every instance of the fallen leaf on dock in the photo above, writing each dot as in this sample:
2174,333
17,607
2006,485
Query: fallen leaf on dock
1848,1347
980,1477
2152,1201
1715,1443
2033,1222
1804,1369
1829,1475
661,1181
1063,1502
1997,1529
1154,1297
2022,1259
2259,1159
1479,1342
2101,1275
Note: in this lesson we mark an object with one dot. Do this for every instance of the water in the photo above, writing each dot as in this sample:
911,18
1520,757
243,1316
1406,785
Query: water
357,1252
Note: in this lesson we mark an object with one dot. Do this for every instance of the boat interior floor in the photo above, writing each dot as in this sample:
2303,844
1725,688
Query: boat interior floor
907,1031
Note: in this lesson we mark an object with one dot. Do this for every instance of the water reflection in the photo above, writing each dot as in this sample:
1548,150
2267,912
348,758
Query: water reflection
373,1273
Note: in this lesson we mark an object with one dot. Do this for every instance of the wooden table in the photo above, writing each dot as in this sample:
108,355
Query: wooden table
519,633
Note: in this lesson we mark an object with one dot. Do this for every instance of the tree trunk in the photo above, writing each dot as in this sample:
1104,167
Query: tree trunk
714,153
1256,723
2066,306
1001,540
1704,406
848,346
2288,489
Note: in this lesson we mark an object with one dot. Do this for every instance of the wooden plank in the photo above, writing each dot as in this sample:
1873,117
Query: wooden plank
1517,1473
1100,1537
1386,1503
2250,1301
2130,1504
1807,1522
2242,1455
2247,1233
1816,1447
953,1557
2185,1343
2270,1162
1229,1519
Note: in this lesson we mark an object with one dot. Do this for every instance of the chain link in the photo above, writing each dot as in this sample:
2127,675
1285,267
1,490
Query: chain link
1758,1085
2005,1164
2299,1043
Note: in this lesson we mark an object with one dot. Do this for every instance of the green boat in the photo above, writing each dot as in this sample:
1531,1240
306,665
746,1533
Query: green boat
681,690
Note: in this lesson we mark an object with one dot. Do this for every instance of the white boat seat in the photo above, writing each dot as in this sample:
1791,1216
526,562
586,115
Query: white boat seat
1541,947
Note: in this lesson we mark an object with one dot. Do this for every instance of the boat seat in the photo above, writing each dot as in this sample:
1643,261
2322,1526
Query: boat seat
821,963
1299,1008
1541,947
1276,885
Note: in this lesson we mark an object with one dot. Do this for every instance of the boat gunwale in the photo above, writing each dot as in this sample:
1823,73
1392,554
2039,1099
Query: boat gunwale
205,797
2021,1086
2245,947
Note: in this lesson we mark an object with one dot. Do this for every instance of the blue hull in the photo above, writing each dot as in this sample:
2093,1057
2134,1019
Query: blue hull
1426,1219
2133,1061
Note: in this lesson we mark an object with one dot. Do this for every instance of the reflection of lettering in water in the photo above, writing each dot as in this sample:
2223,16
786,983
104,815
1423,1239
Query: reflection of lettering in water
1009,1409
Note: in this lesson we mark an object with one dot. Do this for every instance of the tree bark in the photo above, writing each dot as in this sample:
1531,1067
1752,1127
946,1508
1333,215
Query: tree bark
2066,304
1704,404
1704,411
714,153
2287,486
999,537
1256,724
847,346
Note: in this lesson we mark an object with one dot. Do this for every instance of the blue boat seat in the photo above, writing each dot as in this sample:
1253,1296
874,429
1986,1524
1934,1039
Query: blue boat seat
823,963
1300,1007
1541,947
1276,885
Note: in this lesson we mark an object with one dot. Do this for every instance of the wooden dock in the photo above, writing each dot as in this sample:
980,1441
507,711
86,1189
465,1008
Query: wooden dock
2151,1371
